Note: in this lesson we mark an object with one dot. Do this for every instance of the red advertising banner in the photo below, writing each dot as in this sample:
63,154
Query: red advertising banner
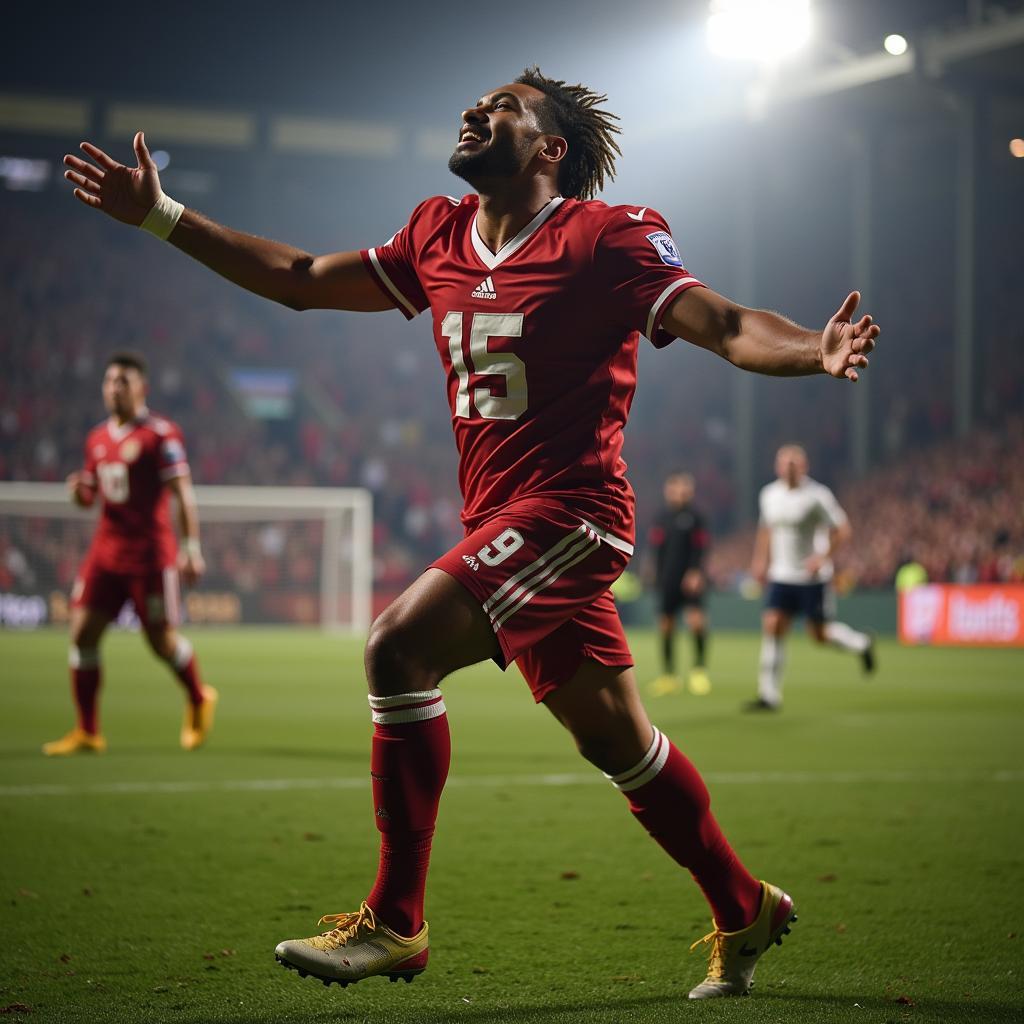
976,615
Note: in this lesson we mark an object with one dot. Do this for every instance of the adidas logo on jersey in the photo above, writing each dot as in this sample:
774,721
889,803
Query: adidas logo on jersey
485,290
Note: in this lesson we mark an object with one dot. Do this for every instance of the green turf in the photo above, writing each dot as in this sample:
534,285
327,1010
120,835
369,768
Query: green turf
151,885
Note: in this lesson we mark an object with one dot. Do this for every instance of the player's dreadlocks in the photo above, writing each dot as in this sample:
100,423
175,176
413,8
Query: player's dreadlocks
571,111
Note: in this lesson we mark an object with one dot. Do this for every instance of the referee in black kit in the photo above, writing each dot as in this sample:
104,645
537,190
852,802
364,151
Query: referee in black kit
679,540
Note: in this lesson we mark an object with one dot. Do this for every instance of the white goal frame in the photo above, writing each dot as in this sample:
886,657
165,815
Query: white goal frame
257,504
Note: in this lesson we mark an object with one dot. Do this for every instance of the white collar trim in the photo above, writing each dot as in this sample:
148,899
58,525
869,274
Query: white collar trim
491,260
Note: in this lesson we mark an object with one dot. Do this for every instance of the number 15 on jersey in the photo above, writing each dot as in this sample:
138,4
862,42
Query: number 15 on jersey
484,362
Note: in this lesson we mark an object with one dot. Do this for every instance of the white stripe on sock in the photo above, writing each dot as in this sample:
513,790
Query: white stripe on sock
646,768
407,707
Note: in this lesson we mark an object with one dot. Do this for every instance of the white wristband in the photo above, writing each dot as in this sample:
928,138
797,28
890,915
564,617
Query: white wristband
192,548
163,217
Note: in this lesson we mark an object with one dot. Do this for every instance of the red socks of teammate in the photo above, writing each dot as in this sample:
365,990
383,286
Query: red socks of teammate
409,763
85,686
86,677
183,662
668,797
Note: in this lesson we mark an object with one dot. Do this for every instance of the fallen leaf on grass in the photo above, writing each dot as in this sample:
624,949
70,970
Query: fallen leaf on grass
479,970
15,1008
569,876
29,895
905,1001
208,956
65,958
227,952
841,928
629,979
312,837
87,891
828,878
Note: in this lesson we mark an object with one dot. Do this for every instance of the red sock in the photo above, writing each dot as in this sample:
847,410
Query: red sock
85,687
409,762
183,661
668,797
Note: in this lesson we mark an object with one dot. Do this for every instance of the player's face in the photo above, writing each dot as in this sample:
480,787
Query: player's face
678,491
124,391
499,136
791,465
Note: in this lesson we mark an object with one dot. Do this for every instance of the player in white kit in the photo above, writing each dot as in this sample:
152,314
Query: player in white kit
800,528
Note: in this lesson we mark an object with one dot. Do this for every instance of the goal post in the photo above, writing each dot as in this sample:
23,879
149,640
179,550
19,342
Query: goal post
301,555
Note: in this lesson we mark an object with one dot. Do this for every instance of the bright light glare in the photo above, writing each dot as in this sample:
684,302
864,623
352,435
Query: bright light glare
758,29
895,44
161,158
1017,147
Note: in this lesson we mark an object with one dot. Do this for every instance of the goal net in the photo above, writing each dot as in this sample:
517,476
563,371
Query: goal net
284,555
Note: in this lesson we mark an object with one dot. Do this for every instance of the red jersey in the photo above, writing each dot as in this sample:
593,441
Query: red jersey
539,342
129,466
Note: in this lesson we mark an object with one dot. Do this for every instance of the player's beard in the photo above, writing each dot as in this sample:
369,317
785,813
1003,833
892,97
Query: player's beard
502,159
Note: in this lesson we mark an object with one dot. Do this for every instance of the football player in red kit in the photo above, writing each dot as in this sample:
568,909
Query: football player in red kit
538,294
132,460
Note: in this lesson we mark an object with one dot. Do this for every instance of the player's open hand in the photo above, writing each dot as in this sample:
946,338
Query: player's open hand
81,493
844,344
125,193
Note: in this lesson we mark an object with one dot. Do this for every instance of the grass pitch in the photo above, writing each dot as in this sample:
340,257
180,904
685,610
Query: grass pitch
152,885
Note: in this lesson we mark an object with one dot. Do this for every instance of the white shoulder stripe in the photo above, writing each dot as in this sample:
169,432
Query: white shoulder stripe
390,285
659,302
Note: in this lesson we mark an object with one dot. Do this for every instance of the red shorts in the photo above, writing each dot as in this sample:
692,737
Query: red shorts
156,595
542,574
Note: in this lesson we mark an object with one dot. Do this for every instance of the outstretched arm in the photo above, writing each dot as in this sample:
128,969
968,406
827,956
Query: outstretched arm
763,342
272,269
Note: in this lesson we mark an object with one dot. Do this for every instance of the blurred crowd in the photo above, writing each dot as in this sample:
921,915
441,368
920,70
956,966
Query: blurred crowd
370,411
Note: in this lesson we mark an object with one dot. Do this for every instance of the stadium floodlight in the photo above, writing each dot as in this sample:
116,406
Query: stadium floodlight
1017,147
895,44
758,30
161,158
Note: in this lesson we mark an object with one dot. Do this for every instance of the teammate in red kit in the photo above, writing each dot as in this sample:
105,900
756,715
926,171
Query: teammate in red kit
131,461
538,295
